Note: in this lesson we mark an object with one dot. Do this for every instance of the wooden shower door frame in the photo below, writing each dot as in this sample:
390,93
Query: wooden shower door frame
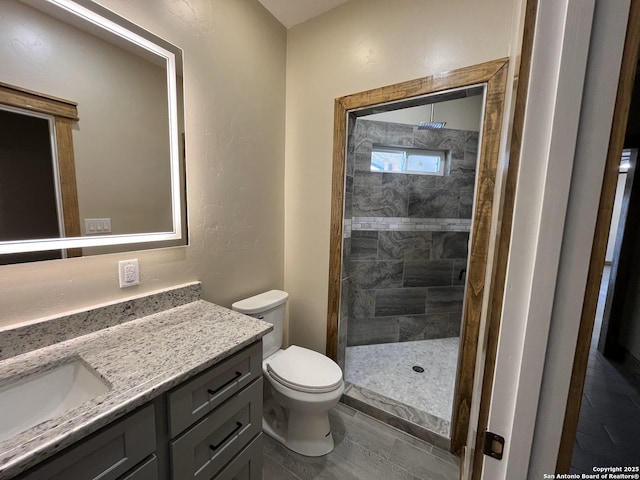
493,75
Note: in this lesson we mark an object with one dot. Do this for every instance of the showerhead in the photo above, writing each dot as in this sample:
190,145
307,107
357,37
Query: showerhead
431,125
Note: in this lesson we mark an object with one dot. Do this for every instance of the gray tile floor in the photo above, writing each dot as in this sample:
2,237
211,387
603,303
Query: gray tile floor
609,425
366,449
387,369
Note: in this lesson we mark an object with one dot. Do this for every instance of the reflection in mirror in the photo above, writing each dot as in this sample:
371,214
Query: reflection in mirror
411,176
92,103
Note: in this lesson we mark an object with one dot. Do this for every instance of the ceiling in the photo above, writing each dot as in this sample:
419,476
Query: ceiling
292,12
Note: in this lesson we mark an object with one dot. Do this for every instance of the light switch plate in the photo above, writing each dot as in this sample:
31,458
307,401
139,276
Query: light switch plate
97,226
129,273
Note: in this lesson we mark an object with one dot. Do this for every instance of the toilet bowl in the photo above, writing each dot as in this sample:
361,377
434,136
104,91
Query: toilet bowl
300,385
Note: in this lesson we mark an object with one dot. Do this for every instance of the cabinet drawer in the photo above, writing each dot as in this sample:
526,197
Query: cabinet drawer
247,465
212,442
147,471
107,454
196,398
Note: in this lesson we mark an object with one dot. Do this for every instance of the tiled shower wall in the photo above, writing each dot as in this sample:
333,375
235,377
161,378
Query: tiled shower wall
406,237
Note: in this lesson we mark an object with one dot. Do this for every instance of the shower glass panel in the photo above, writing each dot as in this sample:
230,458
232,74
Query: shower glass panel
408,214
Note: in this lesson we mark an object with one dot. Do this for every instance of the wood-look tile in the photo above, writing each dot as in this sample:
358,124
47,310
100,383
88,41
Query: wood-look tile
305,468
622,433
365,449
423,465
364,430
583,461
273,470
617,455
591,427
608,426
361,462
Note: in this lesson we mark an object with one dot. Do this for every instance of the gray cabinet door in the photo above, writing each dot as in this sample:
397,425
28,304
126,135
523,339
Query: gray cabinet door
107,454
247,465
212,442
147,471
195,398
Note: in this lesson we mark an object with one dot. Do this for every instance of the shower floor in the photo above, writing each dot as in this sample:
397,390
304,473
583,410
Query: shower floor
386,370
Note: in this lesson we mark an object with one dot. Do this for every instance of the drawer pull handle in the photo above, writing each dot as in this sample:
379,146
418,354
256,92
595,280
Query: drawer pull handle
233,432
236,377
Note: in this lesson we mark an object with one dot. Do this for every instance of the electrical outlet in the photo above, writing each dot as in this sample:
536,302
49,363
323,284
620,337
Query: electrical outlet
129,273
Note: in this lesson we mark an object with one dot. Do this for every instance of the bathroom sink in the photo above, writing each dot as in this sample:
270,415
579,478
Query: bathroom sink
44,395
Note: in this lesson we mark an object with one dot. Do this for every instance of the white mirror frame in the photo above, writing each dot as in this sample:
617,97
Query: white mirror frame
39,245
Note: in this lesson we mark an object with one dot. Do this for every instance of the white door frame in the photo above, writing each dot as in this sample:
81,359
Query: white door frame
564,143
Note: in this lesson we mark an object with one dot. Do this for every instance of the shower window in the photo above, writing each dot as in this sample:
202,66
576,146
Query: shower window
408,160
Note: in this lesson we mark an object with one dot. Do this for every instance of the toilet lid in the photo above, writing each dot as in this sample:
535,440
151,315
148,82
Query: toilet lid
304,370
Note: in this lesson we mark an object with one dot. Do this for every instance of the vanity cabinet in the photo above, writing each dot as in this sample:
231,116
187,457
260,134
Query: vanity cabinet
208,428
214,416
106,455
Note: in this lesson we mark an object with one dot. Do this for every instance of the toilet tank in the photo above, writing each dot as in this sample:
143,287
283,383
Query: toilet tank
269,307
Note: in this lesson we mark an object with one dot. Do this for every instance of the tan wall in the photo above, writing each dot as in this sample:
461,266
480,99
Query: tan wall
235,55
360,45
459,114
121,143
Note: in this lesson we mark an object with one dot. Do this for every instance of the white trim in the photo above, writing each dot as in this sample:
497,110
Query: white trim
558,63
601,85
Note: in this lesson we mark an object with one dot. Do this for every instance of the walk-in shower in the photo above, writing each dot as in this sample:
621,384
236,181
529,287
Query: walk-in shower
408,209
412,227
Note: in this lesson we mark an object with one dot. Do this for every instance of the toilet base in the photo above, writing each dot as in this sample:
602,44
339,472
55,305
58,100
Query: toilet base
308,435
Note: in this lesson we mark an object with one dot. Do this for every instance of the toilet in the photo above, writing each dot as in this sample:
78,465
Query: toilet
300,385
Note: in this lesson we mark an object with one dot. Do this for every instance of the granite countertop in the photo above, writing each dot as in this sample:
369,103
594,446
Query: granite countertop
140,359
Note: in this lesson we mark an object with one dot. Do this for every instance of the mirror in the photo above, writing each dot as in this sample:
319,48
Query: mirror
91,114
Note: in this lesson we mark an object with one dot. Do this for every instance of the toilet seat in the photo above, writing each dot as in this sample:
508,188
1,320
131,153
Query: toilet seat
304,370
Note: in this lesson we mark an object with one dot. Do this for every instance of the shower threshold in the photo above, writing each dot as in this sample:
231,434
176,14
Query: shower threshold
408,385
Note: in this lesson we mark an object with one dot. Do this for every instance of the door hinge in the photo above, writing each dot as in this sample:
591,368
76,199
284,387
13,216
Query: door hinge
493,445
